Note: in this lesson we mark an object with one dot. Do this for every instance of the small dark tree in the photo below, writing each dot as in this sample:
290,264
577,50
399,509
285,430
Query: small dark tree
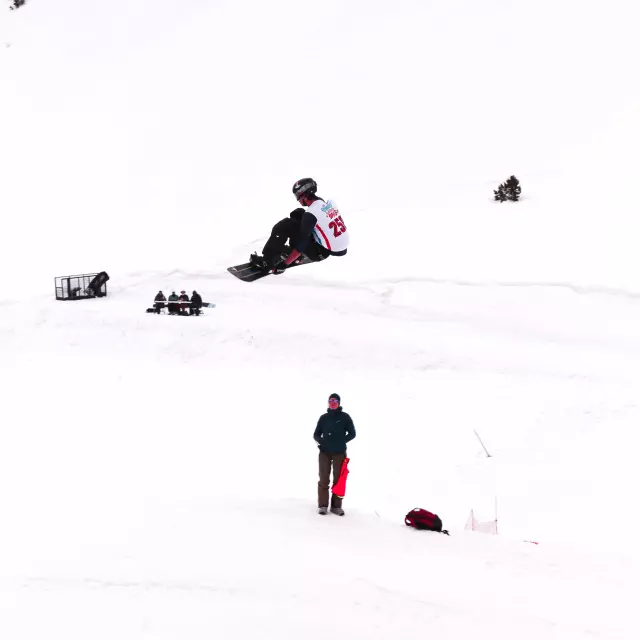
509,190
499,193
17,4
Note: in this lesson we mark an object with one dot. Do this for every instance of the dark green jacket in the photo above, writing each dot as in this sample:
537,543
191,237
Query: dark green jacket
335,428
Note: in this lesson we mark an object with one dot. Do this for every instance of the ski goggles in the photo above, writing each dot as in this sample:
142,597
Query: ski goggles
303,190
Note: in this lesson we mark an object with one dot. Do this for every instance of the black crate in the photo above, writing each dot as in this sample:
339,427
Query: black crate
81,287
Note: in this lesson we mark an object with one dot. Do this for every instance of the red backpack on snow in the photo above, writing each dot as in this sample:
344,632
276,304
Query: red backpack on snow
423,519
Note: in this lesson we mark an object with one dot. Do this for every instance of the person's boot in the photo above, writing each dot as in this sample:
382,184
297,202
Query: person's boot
339,511
281,267
276,264
322,511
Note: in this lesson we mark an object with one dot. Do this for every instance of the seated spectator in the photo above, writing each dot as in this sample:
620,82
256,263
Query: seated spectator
196,304
159,301
183,298
173,306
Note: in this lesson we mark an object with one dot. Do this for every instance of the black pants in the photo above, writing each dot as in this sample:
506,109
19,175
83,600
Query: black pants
286,234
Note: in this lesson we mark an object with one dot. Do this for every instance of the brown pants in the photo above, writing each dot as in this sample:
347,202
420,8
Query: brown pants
327,461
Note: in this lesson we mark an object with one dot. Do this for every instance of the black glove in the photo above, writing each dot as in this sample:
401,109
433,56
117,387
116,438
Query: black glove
296,214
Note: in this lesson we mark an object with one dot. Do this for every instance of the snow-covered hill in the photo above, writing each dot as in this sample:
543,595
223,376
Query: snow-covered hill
158,474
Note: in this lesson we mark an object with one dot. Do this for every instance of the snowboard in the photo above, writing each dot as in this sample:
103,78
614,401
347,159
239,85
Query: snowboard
248,273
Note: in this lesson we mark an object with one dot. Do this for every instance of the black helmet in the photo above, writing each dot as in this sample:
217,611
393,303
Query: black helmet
306,186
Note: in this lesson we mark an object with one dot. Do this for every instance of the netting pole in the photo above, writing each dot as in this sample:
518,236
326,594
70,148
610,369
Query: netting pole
482,443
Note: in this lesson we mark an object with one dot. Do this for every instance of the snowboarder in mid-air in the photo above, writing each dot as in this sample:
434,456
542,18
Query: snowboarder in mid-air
315,230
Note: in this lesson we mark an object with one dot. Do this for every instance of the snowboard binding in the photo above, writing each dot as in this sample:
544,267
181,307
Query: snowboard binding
258,262
275,265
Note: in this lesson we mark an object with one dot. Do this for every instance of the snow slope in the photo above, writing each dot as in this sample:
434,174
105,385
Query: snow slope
158,473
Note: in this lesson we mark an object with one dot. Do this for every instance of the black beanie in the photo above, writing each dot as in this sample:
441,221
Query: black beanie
336,396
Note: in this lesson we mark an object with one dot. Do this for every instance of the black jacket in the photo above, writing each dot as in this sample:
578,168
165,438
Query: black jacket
335,428
196,300
159,298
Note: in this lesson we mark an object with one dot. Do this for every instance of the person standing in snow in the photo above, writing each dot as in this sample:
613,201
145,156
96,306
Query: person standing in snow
316,231
335,428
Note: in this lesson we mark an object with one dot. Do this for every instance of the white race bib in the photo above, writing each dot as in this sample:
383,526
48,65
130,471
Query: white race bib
330,230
